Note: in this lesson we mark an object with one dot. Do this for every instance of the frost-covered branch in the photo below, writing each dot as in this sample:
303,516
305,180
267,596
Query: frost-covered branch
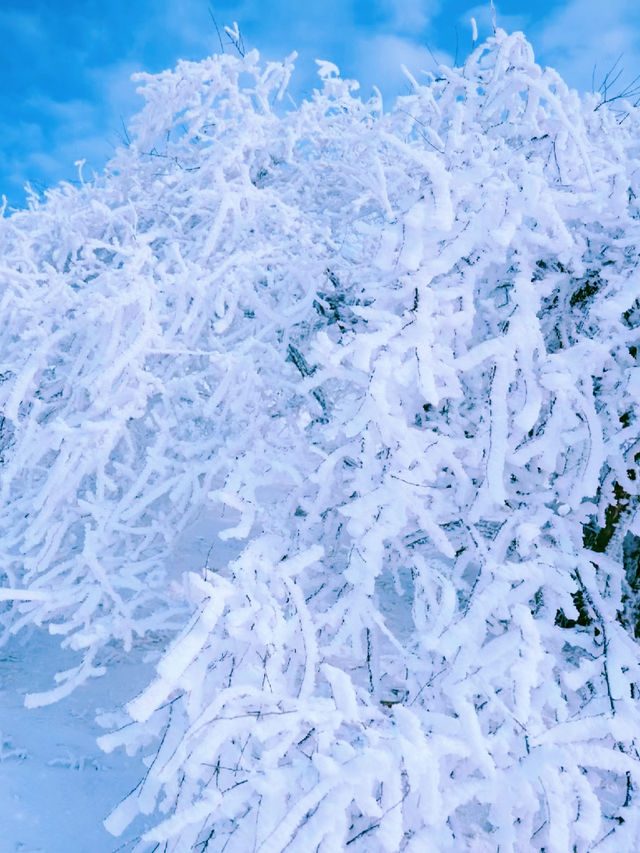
389,361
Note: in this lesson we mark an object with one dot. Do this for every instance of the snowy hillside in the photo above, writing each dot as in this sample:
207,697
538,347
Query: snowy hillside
319,445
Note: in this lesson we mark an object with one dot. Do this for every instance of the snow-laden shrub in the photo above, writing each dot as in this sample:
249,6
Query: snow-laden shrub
393,357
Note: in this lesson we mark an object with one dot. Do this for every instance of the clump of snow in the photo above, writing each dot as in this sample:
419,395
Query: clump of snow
379,368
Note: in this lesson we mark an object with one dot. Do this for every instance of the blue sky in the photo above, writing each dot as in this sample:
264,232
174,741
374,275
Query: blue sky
65,64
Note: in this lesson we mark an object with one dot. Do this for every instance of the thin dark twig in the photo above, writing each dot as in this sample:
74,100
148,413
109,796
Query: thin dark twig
606,80
215,24
364,832
605,641
376,825
124,130
629,90
427,684
417,121
436,63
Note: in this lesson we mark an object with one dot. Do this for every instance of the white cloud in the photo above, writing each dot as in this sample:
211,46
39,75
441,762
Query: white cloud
70,130
413,15
588,34
191,27
380,58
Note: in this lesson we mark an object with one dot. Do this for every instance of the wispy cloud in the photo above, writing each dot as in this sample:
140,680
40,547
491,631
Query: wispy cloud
380,59
413,16
584,39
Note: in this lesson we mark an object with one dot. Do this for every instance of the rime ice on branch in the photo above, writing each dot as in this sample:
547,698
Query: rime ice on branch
393,357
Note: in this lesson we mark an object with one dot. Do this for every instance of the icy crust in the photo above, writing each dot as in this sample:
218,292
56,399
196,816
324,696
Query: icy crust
392,358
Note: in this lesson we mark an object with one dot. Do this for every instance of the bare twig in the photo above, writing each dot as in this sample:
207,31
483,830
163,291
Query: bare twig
215,24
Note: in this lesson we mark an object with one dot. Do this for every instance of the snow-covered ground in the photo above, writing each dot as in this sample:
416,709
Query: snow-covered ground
56,785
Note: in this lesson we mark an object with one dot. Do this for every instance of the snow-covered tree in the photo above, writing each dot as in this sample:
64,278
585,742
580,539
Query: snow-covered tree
388,360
